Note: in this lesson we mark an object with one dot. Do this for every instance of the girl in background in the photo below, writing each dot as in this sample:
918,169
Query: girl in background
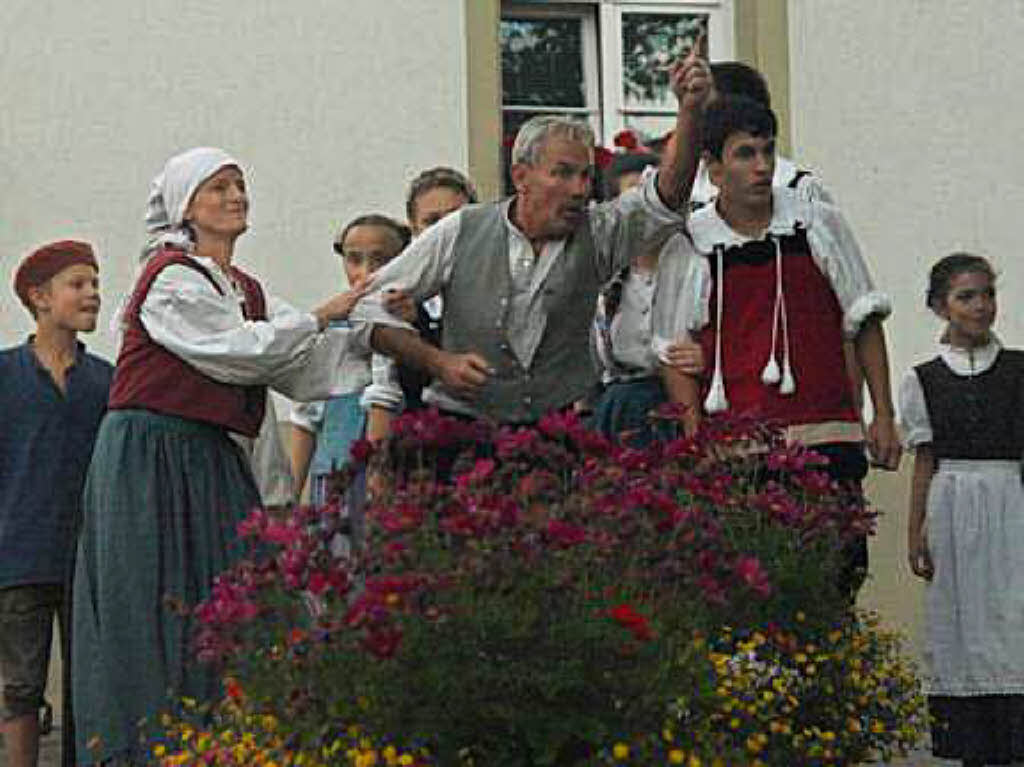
621,336
323,431
432,195
963,415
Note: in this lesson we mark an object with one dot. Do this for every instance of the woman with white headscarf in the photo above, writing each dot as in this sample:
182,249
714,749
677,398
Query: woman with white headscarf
167,485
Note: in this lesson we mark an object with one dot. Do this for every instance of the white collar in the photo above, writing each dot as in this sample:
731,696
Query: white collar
964,362
708,228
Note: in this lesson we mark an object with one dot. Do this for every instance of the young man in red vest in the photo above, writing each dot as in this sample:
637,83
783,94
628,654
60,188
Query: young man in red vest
776,283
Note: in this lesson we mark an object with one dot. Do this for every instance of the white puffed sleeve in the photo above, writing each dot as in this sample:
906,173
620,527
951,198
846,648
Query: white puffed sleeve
810,187
914,423
838,255
384,390
682,295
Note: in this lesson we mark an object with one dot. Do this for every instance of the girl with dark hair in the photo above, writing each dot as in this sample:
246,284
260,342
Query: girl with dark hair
963,414
323,431
432,195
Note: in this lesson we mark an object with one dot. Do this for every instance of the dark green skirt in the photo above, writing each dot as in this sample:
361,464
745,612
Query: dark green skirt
161,502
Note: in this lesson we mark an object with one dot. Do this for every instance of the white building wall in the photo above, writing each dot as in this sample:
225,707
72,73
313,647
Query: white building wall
331,105
911,111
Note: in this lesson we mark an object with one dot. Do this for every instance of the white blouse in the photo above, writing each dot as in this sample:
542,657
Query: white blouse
682,299
629,354
914,422
287,352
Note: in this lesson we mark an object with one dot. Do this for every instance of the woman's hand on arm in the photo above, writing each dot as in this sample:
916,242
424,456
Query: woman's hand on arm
340,306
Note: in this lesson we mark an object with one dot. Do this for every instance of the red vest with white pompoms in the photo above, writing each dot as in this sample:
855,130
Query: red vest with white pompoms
823,390
149,377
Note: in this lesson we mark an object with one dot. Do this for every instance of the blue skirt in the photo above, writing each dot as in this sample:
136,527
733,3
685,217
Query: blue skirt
161,503
624,412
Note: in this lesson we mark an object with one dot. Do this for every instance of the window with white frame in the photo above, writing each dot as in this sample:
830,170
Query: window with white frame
605,61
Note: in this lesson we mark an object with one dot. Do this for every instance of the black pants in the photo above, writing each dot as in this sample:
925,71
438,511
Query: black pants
848,465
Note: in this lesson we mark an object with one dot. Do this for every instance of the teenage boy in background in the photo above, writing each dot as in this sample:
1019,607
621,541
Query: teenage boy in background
53,396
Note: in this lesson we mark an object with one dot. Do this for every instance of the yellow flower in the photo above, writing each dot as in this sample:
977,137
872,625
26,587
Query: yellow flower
675,756
620,751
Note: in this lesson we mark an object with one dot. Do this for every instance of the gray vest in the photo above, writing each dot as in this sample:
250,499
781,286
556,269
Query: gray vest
476,302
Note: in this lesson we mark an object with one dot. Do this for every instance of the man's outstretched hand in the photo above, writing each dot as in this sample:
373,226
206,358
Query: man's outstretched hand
690,77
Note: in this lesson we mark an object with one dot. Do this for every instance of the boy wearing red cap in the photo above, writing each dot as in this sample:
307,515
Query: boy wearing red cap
53,398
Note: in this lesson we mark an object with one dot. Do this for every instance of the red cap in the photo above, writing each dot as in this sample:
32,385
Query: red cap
46,261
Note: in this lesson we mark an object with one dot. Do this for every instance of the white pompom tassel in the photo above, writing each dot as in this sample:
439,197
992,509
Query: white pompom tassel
716,402
788,385
770,375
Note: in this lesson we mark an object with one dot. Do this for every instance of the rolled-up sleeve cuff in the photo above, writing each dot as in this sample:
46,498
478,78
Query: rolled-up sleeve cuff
304,419
369,313
381,395
873,304
660,346
649,185
914,438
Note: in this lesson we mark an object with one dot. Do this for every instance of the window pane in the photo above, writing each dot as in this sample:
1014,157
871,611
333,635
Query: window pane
650,43
542,62
650,126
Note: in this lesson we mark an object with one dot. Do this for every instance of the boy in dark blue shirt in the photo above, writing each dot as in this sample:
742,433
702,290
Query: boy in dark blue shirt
53,395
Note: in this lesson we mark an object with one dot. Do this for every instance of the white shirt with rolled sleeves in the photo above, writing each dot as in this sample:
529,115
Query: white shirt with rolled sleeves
287,352
682,297
185,314
635,220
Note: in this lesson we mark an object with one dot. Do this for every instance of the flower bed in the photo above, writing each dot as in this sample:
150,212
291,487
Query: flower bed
561,601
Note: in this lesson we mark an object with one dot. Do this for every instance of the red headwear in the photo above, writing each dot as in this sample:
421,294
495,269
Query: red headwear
46,261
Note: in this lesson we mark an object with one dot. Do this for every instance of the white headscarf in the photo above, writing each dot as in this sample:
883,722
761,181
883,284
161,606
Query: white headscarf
171,192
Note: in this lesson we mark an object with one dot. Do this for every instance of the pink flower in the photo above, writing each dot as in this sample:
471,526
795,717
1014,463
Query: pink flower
282,533
361,450
749,570
401,517
564,534
482,469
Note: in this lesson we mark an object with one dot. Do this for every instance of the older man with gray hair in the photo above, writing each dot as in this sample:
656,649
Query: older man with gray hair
519,278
